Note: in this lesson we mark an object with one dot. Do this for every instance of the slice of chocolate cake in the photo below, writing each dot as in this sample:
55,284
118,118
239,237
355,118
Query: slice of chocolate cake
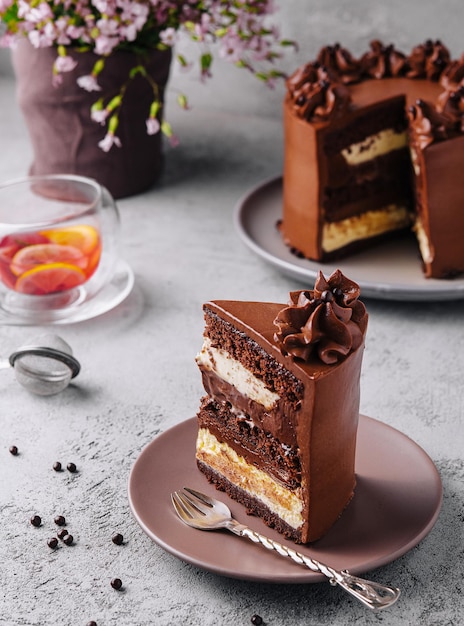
277,428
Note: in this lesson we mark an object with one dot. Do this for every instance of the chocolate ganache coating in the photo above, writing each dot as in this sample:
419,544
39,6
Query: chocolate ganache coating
328,321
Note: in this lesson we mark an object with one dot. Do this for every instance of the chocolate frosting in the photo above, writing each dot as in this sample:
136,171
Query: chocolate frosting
317,93
328,322
451,104
427,124
340,61
453,75
383,61
428,60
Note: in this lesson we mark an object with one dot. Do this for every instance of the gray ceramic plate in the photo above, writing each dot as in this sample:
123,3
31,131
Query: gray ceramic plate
391,271
397,501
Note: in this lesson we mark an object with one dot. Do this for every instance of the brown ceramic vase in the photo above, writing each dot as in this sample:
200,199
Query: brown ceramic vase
64,137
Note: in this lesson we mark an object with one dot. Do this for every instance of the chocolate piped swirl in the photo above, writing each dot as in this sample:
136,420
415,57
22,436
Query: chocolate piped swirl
317,94
340,61
427,124
328,322
383,61
428,60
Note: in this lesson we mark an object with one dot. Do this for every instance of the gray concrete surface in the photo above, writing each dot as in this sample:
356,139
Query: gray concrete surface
139,377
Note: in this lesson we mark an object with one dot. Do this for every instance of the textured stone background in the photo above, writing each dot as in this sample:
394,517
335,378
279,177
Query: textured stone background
138,376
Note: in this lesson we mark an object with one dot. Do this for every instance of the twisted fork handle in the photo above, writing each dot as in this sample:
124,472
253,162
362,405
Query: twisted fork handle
371,594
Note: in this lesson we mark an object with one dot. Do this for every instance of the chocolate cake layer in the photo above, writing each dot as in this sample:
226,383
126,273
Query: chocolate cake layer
256,445
373,185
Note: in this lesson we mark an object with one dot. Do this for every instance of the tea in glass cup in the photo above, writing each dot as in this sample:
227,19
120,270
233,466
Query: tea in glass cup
58,242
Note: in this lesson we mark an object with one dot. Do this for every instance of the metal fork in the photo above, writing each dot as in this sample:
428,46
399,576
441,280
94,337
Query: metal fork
200,511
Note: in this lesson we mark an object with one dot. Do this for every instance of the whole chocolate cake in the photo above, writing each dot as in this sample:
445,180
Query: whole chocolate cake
278,424
374,146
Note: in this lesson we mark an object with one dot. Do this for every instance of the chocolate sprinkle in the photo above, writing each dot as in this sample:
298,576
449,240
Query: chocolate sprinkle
117,538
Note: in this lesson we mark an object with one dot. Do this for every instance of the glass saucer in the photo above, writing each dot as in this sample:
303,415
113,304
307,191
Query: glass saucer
108,297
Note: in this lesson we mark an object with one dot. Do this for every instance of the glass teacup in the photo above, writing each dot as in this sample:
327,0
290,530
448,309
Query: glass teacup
58,243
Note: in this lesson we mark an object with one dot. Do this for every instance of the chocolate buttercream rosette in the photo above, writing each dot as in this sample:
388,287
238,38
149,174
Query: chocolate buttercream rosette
328,322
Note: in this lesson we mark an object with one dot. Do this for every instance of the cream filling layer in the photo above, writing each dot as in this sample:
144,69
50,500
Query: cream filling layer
374,146
223,459
234,373
336,235
423,241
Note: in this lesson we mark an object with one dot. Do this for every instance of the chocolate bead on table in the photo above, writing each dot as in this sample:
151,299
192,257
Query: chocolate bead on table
71,467
57,466
116,583
14,450
60,520
36,520
52,542
117,538
68,539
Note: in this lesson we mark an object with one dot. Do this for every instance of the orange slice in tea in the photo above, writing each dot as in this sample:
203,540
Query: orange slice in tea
44,254
50,278
82,236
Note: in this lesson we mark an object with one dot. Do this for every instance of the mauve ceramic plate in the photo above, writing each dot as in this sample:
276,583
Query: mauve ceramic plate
391,271
397,500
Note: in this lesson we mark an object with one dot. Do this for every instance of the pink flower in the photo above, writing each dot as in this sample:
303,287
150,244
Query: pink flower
168,36
105,45
64,64
109,140
173,141
5,4
39,39
89,83
153,126
57,80
99,115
